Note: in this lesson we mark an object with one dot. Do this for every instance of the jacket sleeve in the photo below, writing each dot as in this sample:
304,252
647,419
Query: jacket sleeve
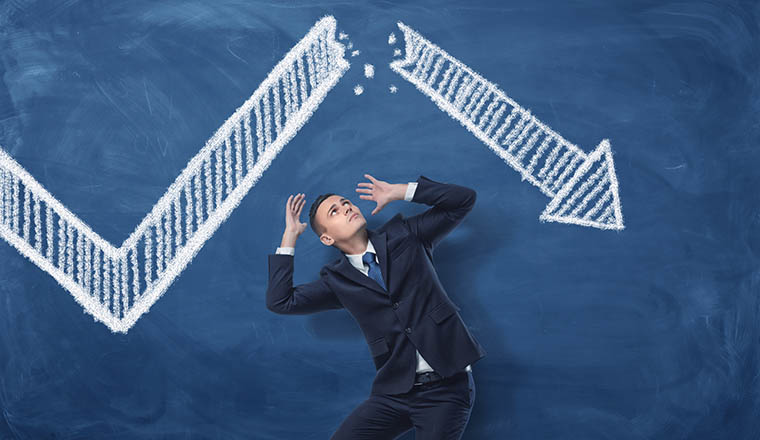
284,298
450,204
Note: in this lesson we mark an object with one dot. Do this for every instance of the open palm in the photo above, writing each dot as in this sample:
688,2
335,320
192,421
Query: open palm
293,213
377,190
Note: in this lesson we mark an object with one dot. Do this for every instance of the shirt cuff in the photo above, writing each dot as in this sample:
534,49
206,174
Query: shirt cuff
286,251
410,189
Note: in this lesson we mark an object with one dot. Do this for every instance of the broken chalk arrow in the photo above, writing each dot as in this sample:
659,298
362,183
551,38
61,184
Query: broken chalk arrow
583,188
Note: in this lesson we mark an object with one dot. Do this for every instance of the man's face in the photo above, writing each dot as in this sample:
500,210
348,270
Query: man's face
340,219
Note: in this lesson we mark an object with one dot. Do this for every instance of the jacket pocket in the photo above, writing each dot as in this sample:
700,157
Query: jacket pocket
442,311
378,347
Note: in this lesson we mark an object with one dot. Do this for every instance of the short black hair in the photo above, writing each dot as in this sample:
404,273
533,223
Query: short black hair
315,226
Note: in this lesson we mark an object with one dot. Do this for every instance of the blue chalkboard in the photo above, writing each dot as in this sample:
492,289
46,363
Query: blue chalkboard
646,328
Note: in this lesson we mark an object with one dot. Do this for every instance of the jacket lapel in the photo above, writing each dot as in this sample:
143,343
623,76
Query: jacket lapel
345,268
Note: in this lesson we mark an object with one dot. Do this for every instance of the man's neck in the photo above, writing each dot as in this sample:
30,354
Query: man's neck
356,244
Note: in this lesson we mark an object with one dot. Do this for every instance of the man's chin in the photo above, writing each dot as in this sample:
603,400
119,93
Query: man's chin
359,228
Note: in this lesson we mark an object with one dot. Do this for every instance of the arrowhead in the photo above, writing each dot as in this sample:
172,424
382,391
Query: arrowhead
590,197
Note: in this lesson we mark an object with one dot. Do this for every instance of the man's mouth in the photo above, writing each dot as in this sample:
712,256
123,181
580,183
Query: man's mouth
352,217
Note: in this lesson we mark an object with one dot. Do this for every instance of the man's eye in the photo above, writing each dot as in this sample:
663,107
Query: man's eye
331,212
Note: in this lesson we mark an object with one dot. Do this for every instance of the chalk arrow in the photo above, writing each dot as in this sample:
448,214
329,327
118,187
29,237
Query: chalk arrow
117,285
583,188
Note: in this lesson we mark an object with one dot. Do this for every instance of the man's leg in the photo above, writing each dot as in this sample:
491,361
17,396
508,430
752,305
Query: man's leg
441,410
380,417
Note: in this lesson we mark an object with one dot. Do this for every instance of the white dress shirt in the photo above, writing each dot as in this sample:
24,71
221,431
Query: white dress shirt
356,260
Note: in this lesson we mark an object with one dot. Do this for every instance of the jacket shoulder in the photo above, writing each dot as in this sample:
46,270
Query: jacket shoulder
393,224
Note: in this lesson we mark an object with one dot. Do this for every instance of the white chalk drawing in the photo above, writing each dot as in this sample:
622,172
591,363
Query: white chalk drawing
358,90
369,70
393,88
392,38
583,188
355,53
118,285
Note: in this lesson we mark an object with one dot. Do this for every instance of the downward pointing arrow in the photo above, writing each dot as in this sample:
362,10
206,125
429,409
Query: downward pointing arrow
583,188
117,285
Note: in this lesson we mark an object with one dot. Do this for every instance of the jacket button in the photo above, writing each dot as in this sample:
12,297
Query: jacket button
408,330
395,305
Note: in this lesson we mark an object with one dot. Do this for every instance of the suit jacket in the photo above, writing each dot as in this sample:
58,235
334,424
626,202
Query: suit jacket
415,312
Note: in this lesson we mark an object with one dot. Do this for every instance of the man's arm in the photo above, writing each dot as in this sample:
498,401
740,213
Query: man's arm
451,203
282,297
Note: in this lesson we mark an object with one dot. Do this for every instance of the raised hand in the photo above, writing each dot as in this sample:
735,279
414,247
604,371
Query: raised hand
380,191
293,214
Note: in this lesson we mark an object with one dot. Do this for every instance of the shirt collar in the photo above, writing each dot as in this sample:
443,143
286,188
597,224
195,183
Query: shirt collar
356,259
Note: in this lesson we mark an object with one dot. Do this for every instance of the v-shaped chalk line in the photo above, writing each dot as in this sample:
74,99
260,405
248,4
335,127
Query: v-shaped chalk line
117,285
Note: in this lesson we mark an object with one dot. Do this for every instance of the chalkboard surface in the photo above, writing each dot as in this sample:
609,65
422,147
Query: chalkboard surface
644,331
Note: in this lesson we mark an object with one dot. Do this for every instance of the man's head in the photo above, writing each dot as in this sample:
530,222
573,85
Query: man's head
332,218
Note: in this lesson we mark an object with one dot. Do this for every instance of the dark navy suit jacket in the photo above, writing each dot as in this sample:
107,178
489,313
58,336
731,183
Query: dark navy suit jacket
415,312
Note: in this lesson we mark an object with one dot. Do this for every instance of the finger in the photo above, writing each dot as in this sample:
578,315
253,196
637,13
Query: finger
370,178
365,184
365,197
364,190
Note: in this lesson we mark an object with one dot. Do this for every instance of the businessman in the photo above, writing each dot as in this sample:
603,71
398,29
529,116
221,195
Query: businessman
386,279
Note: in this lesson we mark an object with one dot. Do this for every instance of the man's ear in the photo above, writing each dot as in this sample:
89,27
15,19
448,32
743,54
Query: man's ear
326,240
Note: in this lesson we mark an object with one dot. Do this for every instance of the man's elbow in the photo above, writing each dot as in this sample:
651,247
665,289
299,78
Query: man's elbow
278,309
274,306
472,196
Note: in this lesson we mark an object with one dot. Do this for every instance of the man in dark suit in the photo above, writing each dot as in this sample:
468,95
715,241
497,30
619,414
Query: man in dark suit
421,348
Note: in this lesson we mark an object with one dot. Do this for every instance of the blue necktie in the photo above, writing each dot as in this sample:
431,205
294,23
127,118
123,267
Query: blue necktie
374,268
